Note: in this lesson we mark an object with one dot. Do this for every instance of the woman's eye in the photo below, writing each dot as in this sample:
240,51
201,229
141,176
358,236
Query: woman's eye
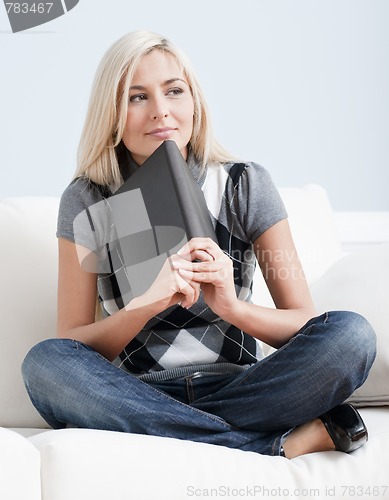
175,91
137,97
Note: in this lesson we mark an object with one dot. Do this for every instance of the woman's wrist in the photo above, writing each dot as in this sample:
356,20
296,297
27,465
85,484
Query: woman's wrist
144,306
232,312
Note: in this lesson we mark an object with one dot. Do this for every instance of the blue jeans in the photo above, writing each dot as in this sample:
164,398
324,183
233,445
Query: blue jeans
321,366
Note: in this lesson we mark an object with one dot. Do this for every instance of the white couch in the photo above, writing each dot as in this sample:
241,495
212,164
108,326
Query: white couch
79,464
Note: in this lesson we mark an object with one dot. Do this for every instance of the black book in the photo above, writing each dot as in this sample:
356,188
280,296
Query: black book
155,212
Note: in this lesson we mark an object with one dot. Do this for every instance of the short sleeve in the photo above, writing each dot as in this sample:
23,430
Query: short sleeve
74,222
257,201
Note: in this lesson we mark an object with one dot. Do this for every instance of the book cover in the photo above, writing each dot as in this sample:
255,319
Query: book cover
155,212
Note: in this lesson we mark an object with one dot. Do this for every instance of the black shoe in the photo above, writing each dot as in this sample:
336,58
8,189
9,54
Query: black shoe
345,427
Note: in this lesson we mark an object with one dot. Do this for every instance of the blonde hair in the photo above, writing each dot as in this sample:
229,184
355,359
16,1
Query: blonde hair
107,111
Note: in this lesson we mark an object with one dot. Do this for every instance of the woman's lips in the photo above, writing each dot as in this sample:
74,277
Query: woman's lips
162,133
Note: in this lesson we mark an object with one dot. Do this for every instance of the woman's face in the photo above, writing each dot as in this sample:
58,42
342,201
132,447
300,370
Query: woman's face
160,107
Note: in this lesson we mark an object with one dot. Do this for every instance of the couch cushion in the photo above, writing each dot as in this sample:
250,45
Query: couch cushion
79,464
314,232
19,468
28,288
360,282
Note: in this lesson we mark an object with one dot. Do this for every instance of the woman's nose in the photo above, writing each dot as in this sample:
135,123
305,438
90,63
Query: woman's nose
159,117
159,110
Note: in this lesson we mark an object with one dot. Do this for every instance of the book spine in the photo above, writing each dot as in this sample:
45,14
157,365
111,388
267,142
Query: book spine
183,182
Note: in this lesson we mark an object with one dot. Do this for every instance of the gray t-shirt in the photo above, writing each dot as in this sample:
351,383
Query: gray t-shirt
243,203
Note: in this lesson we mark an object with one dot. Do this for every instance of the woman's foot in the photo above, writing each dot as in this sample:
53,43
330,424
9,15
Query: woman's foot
341,428
308,438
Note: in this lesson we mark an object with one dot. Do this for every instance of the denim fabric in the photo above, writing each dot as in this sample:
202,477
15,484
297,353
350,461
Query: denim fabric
321,366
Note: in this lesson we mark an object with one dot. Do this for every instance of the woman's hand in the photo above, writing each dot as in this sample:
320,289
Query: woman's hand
77,290
213,271
169,288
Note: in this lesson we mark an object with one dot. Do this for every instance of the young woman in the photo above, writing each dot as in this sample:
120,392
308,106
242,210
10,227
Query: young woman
183,358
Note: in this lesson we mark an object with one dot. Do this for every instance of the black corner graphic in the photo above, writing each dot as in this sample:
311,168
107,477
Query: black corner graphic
28,13
70,4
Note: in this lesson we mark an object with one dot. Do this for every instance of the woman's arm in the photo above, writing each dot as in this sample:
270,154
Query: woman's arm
281,267
284,276
77,303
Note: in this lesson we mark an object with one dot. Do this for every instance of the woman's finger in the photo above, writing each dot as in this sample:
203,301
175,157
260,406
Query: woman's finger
197,267
190,290
200,244
203,277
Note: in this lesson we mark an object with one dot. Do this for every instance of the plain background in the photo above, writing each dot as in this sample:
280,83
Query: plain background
299,86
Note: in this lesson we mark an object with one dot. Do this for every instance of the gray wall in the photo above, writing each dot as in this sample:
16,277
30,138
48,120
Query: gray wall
300,86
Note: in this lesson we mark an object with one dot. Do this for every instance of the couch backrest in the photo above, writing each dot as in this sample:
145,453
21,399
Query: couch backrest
28,286
314,232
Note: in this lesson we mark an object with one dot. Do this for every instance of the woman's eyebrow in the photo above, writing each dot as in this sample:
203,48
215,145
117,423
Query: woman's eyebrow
167,82
172,80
